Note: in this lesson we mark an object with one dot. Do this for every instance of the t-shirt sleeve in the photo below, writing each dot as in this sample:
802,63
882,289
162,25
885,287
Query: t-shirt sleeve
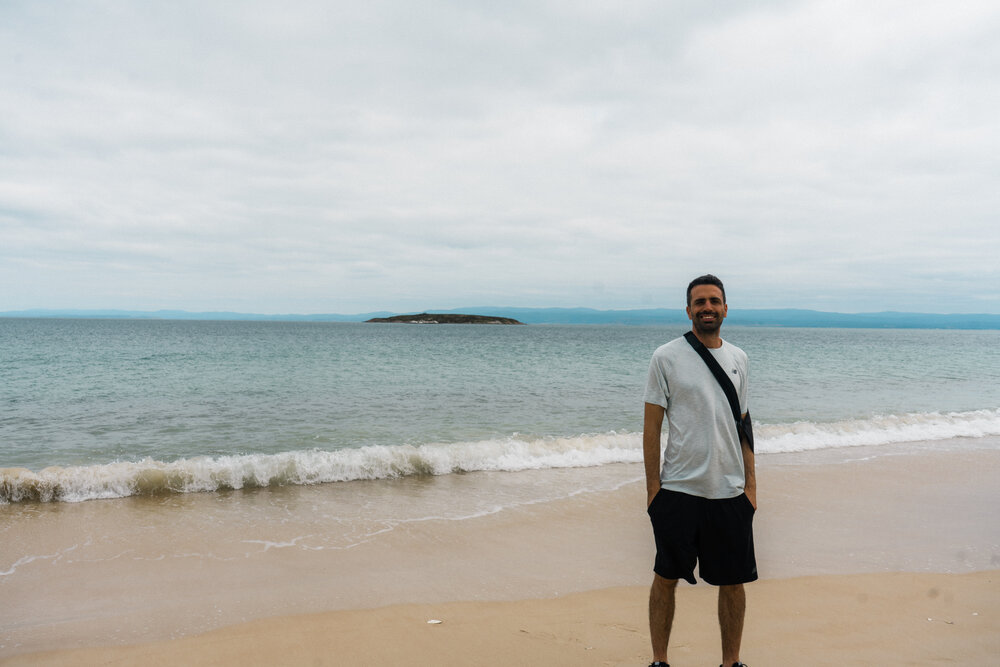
657,390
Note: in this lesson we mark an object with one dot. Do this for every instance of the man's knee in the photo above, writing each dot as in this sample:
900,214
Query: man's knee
663,586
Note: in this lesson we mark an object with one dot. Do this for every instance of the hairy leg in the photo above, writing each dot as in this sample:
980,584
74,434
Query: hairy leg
732,608
661,615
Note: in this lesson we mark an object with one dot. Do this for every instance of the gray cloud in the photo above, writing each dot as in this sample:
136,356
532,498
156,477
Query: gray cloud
341,157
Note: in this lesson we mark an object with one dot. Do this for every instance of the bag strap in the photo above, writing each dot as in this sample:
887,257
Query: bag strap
743,426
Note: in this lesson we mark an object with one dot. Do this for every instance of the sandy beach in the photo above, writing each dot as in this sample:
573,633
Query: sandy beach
891,558
883,619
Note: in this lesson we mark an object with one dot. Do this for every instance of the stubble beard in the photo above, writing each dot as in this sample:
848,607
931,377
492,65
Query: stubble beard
710,328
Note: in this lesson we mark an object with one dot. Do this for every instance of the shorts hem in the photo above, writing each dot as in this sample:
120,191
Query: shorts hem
683,577
735,582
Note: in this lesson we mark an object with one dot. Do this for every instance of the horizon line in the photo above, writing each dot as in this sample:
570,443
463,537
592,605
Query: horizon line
759,317
462,310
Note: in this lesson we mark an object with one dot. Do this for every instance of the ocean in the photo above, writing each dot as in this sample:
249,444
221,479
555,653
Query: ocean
98,409
162,478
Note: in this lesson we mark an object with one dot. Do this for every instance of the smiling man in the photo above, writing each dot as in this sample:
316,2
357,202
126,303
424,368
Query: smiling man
701,500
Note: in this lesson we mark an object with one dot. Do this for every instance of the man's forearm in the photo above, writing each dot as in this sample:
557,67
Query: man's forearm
749,473
652,425
652,469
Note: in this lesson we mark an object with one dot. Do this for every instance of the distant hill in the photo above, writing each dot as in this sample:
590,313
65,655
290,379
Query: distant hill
763,318
445,318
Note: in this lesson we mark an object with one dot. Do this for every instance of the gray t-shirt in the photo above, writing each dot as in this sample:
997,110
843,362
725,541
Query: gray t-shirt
702,456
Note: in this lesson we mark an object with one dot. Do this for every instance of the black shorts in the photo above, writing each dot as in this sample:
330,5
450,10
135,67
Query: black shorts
716,533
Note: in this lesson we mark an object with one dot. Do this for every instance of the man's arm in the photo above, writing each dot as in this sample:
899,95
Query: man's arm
749,472
652,424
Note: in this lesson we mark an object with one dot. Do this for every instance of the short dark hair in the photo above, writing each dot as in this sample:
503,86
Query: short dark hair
707,279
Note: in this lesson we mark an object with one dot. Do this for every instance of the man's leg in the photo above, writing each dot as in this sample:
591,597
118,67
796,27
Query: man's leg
732,607
661,615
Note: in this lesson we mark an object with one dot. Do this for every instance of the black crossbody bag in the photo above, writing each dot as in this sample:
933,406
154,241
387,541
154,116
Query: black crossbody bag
743,426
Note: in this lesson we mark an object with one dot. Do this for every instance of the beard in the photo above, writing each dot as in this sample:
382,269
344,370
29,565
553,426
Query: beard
707,327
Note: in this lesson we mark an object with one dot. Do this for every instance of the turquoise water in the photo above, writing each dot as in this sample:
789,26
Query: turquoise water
106,408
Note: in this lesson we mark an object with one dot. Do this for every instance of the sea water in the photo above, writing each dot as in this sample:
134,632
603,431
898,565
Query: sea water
162,478
115,408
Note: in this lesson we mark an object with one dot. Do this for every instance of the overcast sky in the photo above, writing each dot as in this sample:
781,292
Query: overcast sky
345,157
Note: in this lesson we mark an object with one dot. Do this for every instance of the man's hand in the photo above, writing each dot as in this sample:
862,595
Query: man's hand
650,494
752,496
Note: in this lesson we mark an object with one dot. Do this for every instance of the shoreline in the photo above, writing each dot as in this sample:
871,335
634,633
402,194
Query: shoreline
831,529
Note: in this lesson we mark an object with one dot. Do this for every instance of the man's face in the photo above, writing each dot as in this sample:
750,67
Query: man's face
707,309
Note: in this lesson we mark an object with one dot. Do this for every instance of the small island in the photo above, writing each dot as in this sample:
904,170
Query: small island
445,318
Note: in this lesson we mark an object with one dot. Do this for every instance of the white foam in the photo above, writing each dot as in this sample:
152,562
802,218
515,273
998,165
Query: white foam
148,476
515,453
878,430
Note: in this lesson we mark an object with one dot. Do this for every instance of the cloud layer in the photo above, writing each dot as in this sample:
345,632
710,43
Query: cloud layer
347,157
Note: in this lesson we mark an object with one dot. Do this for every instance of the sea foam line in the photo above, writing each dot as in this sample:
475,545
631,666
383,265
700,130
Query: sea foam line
879,430
516,453
149,477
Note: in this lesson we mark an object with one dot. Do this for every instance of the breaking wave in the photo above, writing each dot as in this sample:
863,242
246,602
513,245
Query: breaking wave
199,474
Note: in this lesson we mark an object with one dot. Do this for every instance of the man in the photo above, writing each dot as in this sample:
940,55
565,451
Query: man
702,500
